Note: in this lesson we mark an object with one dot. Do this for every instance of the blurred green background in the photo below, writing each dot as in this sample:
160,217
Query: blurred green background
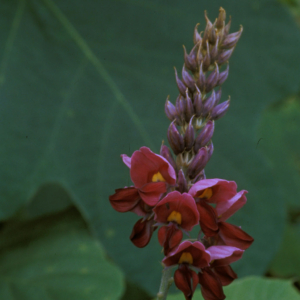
82,82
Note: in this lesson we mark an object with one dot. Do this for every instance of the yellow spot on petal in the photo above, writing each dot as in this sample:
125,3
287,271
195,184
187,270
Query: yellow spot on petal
157,177
207,193
186,257
175,216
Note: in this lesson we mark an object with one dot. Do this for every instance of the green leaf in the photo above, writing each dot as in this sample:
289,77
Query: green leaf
253,288
82,83
287,261
55,258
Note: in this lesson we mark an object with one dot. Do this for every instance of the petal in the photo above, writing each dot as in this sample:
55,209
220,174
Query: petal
208,219
222,189
126,160
224,255
125,199
211,286
181,203
169,237
142,232
225,274
234,236
226,209
151,192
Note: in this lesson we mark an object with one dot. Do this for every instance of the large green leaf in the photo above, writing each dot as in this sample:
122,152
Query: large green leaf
83,82
253,288
55,258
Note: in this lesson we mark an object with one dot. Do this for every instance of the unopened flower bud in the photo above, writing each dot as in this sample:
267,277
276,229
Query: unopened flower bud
205,136
180,107
189,108
189,136
180,84
227,27
166,153
210,150
231,39
212,36
224,56
175,139
223,75
218,96
221,18
198,163
212,79
206,31
214,51
209,104
201,79
198,105
220,110
170,110
182,186
206,60
197,37
190,60
188,79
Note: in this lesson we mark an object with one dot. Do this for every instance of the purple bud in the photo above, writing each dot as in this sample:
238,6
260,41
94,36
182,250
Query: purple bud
197,38
206,60
175,139
198,163
189,136
188,79
210,150
198,104
221,18
182,186
214,51
209,104
201,79
206,32
231,39
189,108
212,79
180,84
190,60
223,75
218,96
205,136
227,27
220,110
180,107
212,36
170,110
166,153
224,56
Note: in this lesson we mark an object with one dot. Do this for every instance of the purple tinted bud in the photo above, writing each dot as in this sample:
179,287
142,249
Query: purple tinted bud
180,107
198,163
210,150
224,56
227,27
223,75
166,153
202,79
182,186
209,104
221,18
175,139
218,96
205,136
189,136
180,84
197,38
214,51
206,60
220,110
212,36
170,110
188,79
206,32
231,39
212,79
189,108
198,104
190,60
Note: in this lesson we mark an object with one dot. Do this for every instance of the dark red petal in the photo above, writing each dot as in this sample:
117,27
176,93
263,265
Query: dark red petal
125,199
151,192
142,232
225,274
208,218
211,286
186,280
234,236
169,237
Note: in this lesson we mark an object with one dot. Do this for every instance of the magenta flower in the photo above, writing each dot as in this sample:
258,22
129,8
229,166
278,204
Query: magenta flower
178,211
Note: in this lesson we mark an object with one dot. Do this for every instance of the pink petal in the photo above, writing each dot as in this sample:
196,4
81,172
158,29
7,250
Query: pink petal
224,255
151,192
126,160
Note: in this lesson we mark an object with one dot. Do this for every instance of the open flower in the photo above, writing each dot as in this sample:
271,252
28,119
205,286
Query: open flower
178,211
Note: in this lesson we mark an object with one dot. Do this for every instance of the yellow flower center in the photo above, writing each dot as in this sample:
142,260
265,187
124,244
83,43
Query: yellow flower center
174,216
157,177
186,257
207,193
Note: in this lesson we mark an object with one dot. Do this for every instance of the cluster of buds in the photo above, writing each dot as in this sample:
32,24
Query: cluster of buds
173,194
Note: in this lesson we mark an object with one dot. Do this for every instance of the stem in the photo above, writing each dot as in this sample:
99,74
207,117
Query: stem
166,282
